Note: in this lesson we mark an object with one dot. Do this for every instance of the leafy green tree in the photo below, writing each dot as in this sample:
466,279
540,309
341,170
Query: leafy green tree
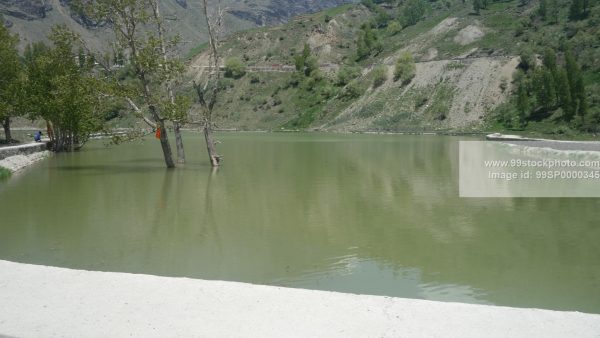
412,12
347,74
576,85
352,91
362,48
234,68
527,60
563,93
369,4
553,11
382,18
367,42
394,28
543,9
549,60
577,10
582,106
405,68
64,91
544,88
140,34
11,80
380,75
306,63
477,6
300,60
311,66
522,104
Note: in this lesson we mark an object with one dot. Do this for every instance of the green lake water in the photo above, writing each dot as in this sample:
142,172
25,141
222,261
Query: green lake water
368,214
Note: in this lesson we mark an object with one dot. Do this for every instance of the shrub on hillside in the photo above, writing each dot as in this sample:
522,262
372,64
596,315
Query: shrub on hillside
234,68
405,69
352,91
347,74
379,75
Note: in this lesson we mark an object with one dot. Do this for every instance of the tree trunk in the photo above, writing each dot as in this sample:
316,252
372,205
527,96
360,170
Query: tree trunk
215,159
179,142
176,124
6,125
166,147
50,131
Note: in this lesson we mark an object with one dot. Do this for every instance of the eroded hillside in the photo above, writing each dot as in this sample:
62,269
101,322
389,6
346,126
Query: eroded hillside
459,77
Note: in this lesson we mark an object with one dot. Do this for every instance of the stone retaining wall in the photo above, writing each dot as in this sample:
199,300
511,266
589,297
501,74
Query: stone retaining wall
24,149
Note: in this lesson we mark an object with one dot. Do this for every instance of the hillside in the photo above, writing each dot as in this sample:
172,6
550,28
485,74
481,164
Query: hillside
466,66
32,19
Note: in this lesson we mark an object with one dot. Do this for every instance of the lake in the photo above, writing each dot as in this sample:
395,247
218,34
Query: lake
367,214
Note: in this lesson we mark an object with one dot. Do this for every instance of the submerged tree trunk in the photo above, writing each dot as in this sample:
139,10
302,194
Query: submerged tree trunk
215,159
179,142
6,126
164,143
163,49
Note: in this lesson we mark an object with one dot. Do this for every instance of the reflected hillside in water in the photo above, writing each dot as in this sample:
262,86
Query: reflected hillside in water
374,214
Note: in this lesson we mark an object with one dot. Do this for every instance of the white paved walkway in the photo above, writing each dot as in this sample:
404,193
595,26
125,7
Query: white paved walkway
38,301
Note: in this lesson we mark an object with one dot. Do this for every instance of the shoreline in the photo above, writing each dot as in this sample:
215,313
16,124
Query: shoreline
42,300
18,157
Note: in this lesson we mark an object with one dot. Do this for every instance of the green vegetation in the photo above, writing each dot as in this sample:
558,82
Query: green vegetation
331,67
346,74
368,43
405,68
380,75
551,92
412,12
234,68
11,80
63,90
4,173
57,84
357,38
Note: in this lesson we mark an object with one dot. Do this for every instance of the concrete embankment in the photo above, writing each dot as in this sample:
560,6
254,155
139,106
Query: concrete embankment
40,301
15,158
546,143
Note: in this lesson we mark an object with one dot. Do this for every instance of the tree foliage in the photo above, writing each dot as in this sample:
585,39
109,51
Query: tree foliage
347,74
478,5
578,9
368,42
11,80
405,68
65,91
140,34
552,87
234,68
380,75
412,12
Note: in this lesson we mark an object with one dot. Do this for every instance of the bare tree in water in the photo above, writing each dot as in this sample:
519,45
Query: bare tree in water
176,114
208,89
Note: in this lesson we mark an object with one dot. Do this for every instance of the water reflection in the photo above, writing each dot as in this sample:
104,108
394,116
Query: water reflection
353,213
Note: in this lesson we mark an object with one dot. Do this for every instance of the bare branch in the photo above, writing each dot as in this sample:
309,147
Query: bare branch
139,111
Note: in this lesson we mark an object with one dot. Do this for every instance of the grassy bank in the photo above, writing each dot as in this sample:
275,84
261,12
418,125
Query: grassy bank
4,173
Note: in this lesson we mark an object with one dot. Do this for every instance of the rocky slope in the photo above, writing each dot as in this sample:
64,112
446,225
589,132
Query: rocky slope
467,68
458,78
